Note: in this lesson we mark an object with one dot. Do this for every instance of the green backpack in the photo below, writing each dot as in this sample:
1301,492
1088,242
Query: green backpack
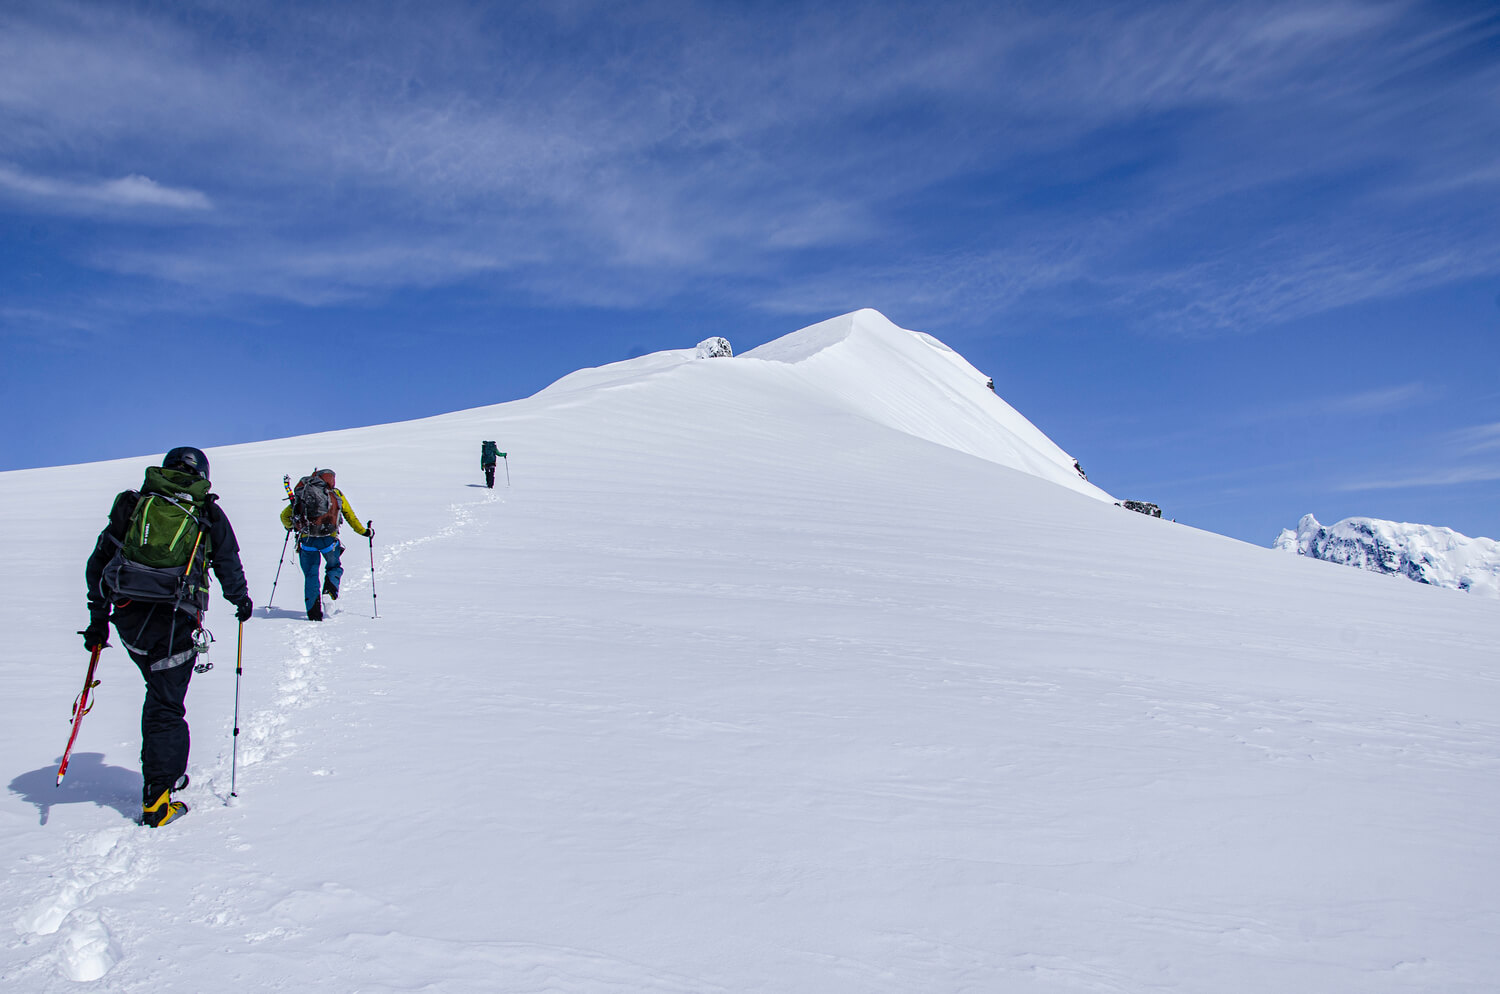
164,555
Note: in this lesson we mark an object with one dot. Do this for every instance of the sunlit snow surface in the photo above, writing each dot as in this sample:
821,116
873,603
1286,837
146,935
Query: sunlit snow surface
807,670
1424,553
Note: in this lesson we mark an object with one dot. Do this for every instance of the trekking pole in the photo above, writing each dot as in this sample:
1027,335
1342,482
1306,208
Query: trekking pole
286,482
279,563
507,468
81,706
373,595
239,668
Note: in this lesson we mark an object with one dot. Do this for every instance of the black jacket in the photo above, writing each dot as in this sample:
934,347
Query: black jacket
224,552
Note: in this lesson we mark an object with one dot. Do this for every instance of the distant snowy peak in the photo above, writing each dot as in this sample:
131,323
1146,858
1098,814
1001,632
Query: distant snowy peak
1424,553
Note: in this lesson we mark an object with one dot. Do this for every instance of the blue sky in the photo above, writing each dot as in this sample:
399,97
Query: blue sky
1241,259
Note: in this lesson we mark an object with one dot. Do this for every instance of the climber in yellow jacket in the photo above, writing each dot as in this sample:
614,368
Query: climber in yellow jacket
314,512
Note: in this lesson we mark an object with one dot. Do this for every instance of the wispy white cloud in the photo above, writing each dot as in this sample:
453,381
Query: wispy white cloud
45,324
1359,404
313,274
1442,477
1454,458
1479,438
74,197
1302,268
933,290
142,191
1381,401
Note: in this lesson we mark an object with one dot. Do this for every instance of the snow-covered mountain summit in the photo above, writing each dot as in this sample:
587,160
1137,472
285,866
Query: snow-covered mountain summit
861,365
914,383
1424,553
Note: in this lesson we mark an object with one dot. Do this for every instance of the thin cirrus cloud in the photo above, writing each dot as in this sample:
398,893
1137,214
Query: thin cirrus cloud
1360,404
1434,478
91,197
1470,458
1479,438
314,275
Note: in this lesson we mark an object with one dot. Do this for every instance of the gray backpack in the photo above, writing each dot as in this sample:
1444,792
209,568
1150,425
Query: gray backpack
315,507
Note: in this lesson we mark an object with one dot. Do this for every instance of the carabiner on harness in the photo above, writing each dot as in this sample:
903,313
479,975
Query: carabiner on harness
202,639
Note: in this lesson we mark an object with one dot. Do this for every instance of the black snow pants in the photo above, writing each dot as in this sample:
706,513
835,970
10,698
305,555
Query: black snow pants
160,642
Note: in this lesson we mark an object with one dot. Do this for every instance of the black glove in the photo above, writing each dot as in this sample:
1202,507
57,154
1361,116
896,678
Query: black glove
242,610
369,529
97,633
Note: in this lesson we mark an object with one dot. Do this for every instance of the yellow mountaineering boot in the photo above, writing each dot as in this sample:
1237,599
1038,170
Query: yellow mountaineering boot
155,814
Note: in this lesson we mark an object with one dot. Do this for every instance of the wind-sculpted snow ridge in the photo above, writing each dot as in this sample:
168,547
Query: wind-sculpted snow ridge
1425,553
914,383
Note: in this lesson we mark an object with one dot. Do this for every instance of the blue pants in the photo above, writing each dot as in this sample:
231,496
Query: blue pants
309,552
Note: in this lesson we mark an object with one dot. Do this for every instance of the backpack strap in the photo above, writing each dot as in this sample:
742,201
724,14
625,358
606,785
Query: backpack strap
120,515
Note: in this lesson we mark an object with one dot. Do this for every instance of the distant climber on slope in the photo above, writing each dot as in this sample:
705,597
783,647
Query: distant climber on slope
488,453
149,574
314,512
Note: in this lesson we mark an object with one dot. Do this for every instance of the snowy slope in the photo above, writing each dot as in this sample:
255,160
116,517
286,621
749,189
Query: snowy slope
1424,553
757,678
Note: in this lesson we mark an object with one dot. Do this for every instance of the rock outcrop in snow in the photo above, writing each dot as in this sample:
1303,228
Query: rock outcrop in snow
714,348
1424,553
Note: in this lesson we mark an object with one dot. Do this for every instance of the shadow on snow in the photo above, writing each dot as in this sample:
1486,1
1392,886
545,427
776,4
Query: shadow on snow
89,781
